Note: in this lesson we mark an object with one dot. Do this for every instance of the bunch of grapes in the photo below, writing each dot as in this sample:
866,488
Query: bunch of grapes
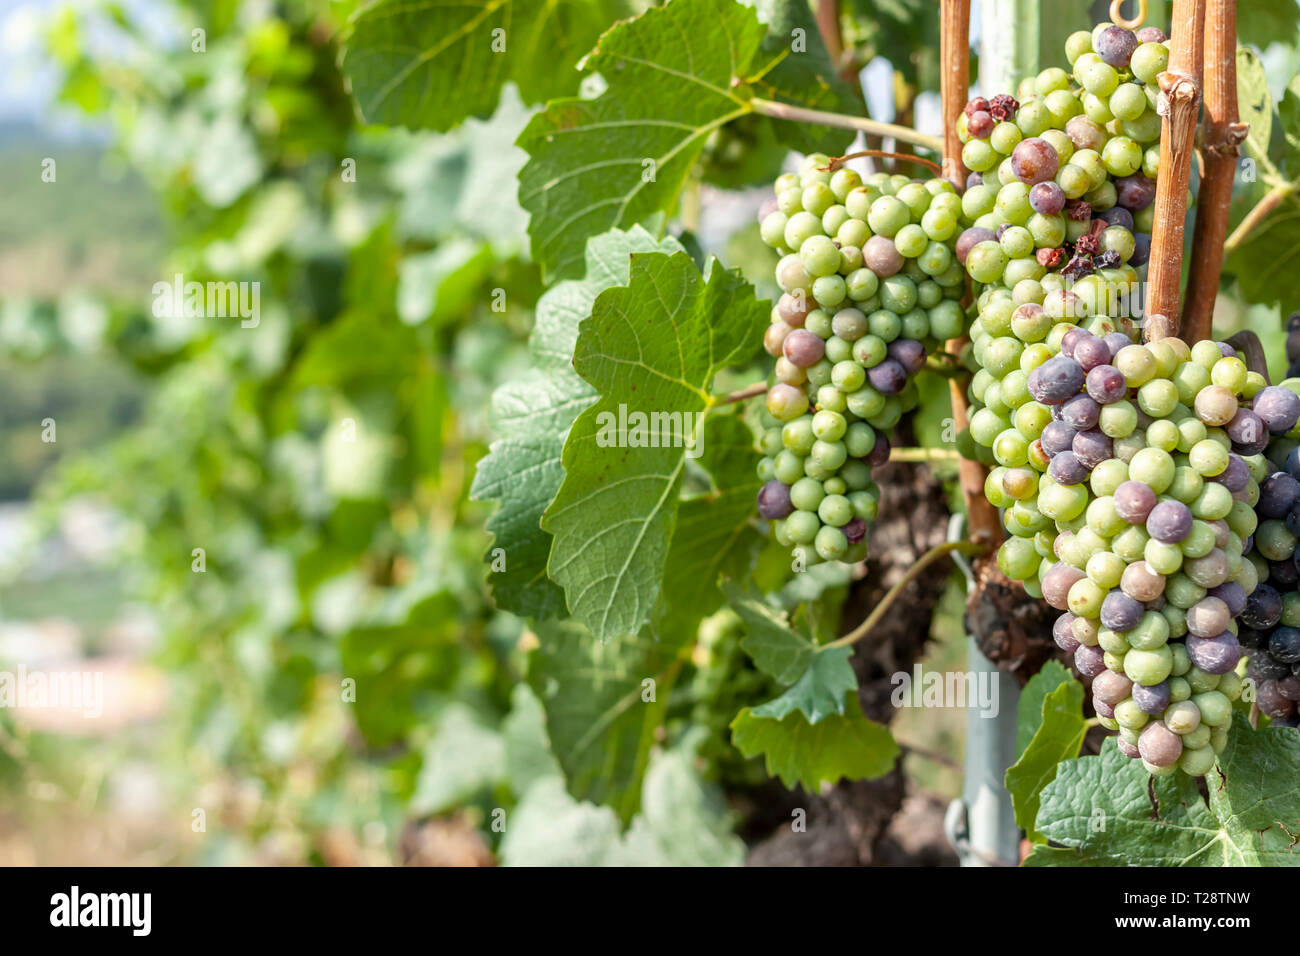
1064,178
1270,631
870,283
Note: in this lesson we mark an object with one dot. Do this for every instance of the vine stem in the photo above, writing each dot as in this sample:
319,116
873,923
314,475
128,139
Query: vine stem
1221,146
839,161
1118,18
799,114
1180,98
740,394
924,454
1272,199
936,553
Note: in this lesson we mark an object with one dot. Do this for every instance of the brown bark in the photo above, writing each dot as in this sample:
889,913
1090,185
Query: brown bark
1180,103
1221,147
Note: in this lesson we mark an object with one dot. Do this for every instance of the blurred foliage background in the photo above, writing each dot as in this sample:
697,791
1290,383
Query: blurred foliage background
240,526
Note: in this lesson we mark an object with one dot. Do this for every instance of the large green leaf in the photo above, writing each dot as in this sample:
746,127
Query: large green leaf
673,76
650,348
821,689
532,416
809,754
603,701
1254,102
463,759
775,649
1029,709
1058,736
432,63
1098,807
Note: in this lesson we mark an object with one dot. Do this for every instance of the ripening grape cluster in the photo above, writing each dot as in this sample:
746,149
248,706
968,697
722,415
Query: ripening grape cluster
1063,178
870,281
1270,624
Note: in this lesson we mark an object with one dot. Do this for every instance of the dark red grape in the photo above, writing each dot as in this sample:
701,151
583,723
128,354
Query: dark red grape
855,530
1214,655
774,500
1115,46
1110,688
1272,702
1263,607
1127,749
908,353
1170,522
1232,594
1134,501
1117,216
887,378
879,453
1160,746
1072,338
1277,495
1135,192
1056,380
1034,160
1106,384
977,104
1278,407
803,348
1151,35
1067,469
1057,437
793,309
1063,633
1236,476
980,123
972,237
1089,660
1092,448
1047,198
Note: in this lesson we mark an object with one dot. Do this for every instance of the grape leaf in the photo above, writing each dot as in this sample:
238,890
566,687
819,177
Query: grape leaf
1029,710
463,758
1098,806
550,828
807,754
1060,733
603,702
1264,22
528,756
1254,102
531,417
650,348
775,649
432,63
715,533
625,155
820,690
1289,113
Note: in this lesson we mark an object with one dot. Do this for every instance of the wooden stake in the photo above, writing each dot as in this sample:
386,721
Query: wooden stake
1180,100
1221,148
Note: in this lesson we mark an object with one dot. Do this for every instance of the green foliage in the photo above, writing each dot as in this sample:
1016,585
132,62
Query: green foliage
1050,729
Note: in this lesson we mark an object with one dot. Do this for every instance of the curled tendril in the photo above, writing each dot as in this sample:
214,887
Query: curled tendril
1118,18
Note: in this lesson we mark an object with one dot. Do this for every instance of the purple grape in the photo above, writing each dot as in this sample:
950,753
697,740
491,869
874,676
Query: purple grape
1263,667
1214,655
803,348
1063,633
1121,613
1277,494
1152,700
1080,412
1289,687
1151,35
1116,341
1292,521
1293,463
1134,501
1117,216
974,179
879,453
1135,192
1106,384
1089,660
1278,408
855,530
1056,438
1070,339
1092,448
1115,46
1284,645
1232,594
1102,708
888,378
774,500
1227,350
1248,432
1127,749
1047,198
1170,522
1067,469
1263,608
1283,574
1141,249
1056,380
908,353
1248,637
1034,160
1236,476
971,238
1091,352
